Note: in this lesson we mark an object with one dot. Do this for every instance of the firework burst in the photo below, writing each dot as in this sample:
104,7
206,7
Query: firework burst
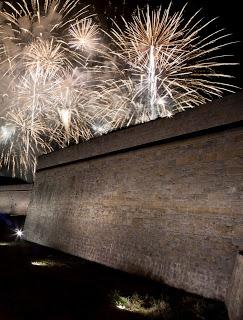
21,140
60,82
84,35
44,102
171,64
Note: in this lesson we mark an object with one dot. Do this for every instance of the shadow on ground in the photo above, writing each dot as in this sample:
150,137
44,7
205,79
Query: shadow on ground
40,283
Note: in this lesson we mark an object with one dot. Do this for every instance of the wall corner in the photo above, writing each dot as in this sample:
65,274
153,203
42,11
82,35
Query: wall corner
234,299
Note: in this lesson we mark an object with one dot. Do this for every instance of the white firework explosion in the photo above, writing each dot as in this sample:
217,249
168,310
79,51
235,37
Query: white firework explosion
60,83
171,64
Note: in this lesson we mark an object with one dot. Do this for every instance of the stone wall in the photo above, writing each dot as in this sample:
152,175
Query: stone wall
163,199
14,199
234,298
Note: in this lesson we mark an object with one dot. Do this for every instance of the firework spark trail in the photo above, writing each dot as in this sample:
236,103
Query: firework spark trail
61,82
152,80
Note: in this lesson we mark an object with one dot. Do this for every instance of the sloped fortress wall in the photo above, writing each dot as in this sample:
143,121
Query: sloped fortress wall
14,199
162,199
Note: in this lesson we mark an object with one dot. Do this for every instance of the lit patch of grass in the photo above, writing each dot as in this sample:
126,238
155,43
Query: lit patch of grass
144,305
197,306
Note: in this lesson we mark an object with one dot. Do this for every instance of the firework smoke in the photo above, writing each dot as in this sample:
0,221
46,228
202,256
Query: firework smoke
61,83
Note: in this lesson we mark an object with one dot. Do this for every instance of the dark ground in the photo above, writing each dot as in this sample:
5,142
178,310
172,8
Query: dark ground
78,289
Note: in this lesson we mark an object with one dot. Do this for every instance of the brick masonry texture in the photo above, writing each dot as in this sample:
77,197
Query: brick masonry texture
14,199
171,211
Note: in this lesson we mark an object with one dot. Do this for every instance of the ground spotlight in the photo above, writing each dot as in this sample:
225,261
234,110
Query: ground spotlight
4,244
19,233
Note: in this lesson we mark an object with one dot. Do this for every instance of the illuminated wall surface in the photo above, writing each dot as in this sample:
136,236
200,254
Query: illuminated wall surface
163,199
234,299
14,199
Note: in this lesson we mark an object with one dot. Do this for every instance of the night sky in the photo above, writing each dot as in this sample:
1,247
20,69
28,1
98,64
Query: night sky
229,13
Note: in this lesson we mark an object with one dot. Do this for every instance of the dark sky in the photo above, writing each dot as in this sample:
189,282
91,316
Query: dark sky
229,13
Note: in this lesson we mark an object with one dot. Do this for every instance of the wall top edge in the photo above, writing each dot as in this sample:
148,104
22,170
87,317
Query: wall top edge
220,112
